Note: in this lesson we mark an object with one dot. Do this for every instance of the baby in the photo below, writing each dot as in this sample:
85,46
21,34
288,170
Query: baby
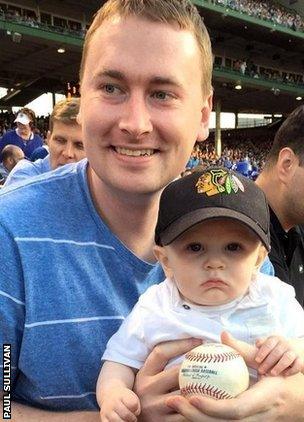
212,236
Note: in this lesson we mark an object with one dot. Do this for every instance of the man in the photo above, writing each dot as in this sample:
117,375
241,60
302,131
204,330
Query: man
282,180
72,279
64,142
11,155
23,136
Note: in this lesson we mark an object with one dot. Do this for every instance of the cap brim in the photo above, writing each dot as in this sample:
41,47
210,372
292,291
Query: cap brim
189,220
22,120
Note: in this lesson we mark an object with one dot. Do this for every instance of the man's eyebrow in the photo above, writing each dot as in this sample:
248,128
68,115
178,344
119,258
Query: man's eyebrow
156,80
114,74
161,80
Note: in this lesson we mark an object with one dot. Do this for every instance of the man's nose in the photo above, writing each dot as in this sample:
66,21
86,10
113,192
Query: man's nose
68,151
136,118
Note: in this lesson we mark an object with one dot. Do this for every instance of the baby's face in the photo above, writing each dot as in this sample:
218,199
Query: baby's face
213,262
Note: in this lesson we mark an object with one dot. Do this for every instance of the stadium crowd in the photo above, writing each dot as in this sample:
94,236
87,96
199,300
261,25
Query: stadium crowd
243,151
29,18
266,10
248,67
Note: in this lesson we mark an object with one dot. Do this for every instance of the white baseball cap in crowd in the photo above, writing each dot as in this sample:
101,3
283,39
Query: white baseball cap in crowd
22,118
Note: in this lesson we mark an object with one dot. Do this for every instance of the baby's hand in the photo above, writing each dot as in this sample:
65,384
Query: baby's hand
120,405
276,356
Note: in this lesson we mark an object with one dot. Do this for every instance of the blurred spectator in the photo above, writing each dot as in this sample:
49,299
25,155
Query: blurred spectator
64,142
243,66
23,136
243,167
39,153
193,160
10,156
282,181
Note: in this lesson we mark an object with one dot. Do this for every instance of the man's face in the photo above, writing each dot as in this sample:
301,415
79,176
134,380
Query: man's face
23,129
65,144
294,198
142,107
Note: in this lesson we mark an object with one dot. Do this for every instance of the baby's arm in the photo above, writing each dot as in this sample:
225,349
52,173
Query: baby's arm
279,356
114,393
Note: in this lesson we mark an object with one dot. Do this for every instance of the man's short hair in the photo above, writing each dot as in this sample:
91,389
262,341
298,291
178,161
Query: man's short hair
9,151
65,111
182,12
291,135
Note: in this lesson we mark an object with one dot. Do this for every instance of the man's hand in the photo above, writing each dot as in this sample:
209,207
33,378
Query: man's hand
271,399
154,385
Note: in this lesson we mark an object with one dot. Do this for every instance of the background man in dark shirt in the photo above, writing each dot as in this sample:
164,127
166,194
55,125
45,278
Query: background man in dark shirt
282,180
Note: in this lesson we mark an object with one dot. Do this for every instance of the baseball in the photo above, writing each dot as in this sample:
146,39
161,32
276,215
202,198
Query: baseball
213,370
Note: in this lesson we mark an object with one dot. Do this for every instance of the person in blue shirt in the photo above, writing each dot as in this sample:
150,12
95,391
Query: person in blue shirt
24,135
64,141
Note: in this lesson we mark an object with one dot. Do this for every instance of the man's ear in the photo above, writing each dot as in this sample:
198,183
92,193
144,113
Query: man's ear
287,164
161,255
48,137
78,117
205,117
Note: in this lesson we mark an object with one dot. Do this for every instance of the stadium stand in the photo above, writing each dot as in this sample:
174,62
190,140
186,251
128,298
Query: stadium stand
266,10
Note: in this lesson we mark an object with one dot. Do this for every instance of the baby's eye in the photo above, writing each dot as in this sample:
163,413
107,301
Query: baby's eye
194,247
232,247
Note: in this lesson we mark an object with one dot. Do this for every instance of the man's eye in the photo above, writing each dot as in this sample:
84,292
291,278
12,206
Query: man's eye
60,141
110,89
194,247
232,247
161,95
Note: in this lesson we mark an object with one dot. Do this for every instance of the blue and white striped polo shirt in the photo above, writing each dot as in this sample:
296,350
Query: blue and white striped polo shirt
66,284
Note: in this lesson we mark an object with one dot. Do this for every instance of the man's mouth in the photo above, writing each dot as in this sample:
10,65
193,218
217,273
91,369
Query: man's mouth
135,152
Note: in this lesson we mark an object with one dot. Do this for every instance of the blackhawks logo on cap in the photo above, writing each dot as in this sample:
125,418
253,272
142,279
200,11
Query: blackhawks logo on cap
218,181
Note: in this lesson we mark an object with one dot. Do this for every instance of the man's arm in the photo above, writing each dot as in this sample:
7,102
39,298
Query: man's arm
21,413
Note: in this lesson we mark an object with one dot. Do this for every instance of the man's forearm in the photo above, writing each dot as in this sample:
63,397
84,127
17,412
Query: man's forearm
22,413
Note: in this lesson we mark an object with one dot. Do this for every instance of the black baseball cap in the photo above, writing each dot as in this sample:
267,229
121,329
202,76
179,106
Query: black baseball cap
212,193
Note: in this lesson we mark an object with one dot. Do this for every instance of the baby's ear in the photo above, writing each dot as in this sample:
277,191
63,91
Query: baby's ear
161,255
261,256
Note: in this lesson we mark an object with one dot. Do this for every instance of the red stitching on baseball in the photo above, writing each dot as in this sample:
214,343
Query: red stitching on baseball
208,357
206,389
